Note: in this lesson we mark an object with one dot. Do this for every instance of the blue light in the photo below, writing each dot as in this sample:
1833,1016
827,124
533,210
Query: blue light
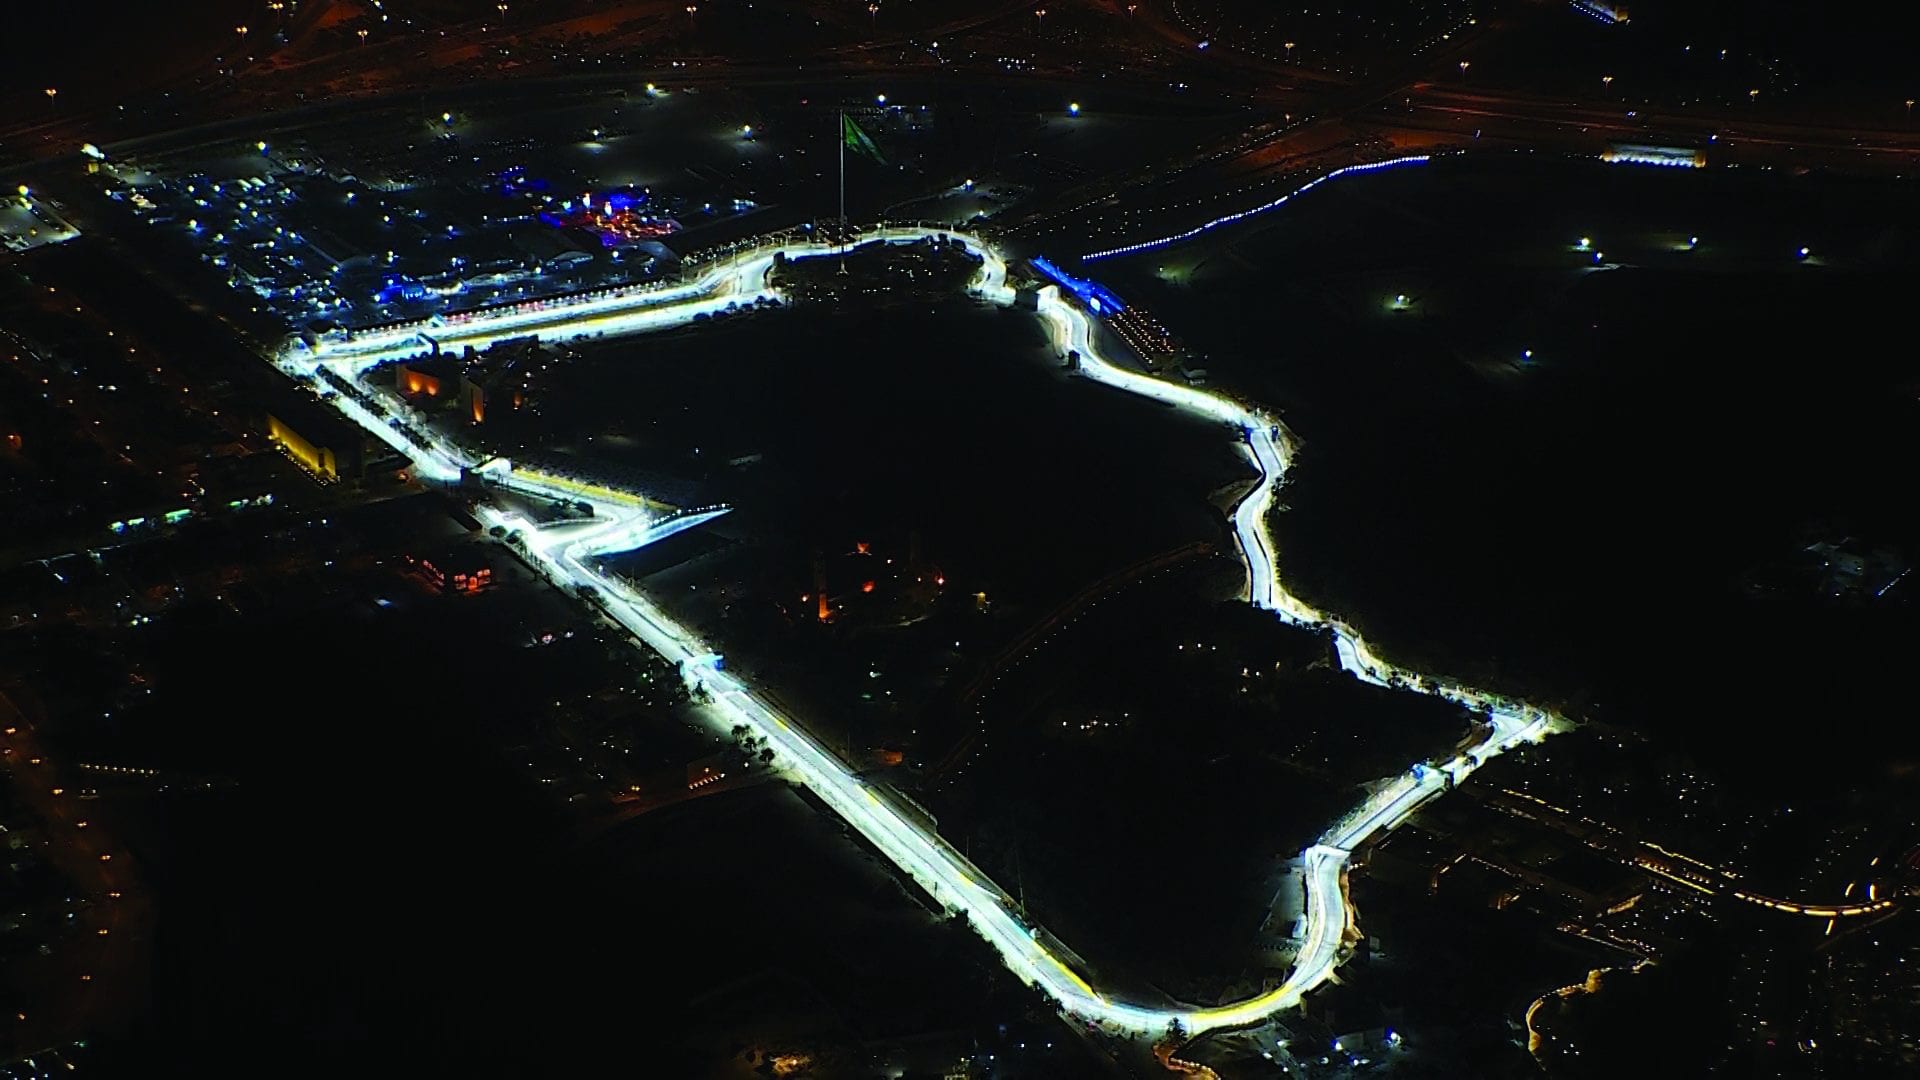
1681,157
400,289
1099,299
1605,13
1150,245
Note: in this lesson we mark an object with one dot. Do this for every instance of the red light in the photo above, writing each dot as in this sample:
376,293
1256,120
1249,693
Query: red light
868,587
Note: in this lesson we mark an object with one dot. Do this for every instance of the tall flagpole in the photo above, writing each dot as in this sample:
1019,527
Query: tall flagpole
840,136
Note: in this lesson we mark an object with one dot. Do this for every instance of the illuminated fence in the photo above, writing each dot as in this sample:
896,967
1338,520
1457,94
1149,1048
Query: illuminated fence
1228,219
585,488
1610,14
1672,157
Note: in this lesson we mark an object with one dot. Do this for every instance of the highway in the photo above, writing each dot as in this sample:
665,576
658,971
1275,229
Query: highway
564,553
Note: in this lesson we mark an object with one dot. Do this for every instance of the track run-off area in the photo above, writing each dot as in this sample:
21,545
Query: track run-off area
564,552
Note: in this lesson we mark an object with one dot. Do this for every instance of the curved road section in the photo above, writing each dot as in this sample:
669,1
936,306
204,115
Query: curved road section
564,553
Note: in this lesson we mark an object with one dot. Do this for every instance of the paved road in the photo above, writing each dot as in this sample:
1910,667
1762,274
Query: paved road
564,553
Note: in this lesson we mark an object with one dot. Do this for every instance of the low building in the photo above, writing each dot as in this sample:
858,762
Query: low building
327,444
464,569
443,380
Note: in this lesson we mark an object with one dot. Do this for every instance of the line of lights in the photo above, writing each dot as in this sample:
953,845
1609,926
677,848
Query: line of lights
1228,219
1673,157
1608,14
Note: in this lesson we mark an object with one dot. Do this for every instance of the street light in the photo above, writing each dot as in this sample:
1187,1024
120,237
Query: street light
51,94
1039,19
1464,65
1606,81
1289,51
362,35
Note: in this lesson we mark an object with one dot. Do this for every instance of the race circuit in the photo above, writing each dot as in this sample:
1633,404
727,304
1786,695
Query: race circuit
564,553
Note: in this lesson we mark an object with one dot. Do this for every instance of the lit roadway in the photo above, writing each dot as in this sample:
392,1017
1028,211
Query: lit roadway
564,553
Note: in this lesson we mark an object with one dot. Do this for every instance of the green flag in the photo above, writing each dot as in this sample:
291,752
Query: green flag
857,140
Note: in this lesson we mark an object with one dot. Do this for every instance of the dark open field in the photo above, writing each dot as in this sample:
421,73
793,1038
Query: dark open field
1619,521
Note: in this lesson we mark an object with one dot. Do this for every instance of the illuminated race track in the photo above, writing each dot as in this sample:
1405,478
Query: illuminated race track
564,552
